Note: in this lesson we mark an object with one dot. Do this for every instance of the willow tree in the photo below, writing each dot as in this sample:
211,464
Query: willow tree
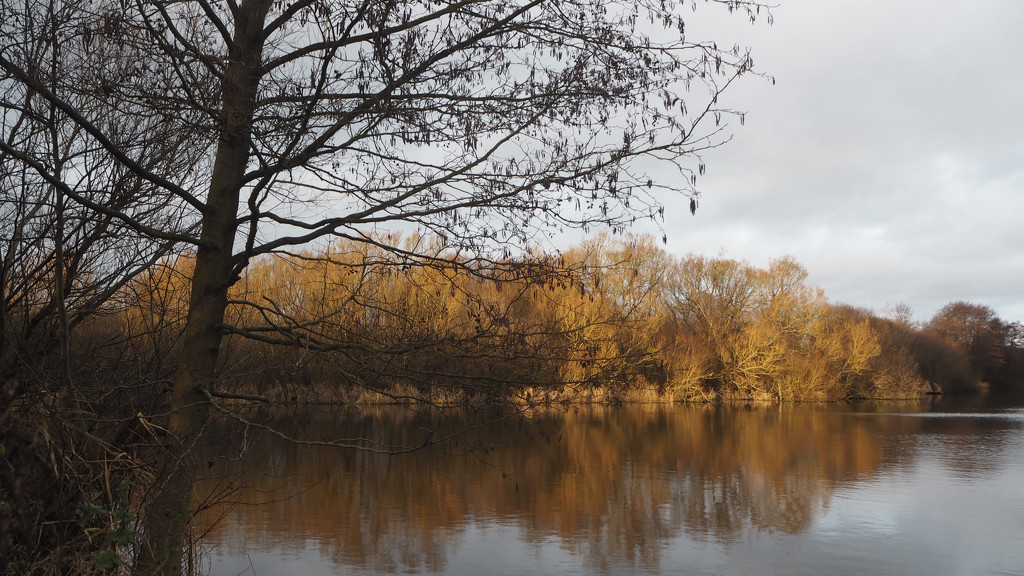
479,121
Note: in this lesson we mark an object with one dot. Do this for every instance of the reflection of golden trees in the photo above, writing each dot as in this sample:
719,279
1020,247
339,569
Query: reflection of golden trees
614,485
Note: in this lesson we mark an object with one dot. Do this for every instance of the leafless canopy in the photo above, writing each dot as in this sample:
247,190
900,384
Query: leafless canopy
482,121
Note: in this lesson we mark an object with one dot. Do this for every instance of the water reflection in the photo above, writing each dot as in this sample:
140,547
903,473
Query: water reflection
609,489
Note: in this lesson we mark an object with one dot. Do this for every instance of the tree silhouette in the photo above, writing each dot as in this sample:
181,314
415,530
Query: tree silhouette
480,121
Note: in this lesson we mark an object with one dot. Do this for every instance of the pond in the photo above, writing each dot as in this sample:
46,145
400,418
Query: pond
926,487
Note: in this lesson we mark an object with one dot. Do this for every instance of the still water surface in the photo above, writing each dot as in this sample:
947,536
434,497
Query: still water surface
929,487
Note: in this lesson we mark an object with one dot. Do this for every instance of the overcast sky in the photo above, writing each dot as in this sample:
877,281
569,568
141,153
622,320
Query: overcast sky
888,158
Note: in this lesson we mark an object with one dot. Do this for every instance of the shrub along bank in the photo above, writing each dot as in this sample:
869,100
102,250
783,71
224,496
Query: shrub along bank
609,320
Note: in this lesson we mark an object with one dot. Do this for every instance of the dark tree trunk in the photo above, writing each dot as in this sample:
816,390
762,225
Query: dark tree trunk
169,511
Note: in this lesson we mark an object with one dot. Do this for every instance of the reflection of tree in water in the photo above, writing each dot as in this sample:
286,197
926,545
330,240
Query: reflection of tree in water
613,485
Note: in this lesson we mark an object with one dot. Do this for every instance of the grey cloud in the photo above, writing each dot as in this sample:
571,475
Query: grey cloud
888,158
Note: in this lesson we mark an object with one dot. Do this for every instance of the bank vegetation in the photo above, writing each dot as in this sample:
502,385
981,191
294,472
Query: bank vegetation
610,320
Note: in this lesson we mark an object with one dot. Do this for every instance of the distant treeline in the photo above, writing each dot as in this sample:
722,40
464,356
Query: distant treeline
609,320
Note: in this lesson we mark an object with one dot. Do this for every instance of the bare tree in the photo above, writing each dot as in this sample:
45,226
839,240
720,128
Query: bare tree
481,121
77,224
